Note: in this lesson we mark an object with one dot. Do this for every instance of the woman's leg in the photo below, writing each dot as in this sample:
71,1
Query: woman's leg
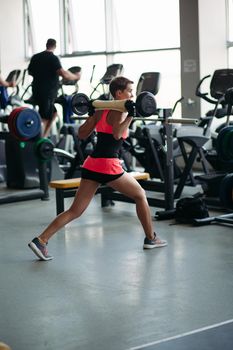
128,186
84,195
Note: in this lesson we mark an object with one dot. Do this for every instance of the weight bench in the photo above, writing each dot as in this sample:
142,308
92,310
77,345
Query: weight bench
68,187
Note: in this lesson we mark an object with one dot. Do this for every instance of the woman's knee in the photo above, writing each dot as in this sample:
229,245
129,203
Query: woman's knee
140,195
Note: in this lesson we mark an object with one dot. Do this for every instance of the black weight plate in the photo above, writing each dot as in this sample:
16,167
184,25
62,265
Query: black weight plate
145,104
225,145
221,150
80,104
230,144
44,149
226,191
229,96
28,123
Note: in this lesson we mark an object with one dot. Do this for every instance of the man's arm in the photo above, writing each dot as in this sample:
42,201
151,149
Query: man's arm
66,74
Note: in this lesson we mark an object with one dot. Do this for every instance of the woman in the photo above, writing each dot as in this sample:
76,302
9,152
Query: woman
104,166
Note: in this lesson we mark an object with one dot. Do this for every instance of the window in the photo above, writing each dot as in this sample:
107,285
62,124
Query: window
153,24
41,24
165,62
142,37
86,25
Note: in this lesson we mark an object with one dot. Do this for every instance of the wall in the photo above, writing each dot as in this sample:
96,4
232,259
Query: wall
190,63
11,36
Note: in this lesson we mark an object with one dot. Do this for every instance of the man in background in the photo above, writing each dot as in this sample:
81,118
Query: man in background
45,68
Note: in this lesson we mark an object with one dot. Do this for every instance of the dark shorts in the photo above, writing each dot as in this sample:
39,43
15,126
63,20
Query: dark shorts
46,107
98,177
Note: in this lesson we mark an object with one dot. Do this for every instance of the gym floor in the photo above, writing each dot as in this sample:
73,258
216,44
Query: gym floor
102,291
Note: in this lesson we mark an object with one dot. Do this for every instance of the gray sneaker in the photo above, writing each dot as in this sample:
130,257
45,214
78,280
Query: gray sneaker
156,242
39,249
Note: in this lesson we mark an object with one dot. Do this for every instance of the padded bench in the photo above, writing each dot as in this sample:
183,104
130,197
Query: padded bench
68,187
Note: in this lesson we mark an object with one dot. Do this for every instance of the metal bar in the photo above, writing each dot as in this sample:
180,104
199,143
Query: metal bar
156,120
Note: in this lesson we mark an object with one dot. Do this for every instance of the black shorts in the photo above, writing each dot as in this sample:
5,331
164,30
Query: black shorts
46,107
98,177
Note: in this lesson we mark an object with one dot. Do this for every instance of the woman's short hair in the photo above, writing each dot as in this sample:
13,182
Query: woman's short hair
118,83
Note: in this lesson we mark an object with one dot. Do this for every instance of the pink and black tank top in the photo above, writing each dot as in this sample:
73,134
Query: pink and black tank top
105,157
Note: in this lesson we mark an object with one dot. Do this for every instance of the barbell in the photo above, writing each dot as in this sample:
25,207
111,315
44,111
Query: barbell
144,106
23,123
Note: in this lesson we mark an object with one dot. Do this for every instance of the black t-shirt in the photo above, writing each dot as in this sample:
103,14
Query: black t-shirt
43,67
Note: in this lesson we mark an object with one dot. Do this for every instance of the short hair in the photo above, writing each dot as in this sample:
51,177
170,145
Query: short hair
118,83
51,43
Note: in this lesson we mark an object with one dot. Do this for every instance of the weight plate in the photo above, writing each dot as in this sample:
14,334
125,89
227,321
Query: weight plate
80,104
28,123
226,191
44,149
225,145
12,123
230,143
145,104
222,150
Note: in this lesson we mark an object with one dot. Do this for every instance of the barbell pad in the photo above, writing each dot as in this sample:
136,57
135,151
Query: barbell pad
226,191
145,104
116,105
28,124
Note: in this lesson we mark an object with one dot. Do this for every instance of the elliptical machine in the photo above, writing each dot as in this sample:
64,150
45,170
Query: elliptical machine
221,81
225,154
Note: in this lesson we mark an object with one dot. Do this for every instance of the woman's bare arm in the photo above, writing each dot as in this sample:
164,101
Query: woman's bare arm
120,123
87,128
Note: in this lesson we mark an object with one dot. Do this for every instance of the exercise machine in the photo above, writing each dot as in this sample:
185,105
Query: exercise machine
112,71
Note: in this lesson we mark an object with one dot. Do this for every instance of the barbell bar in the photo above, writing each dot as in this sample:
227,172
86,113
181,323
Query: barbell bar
23,123
144,106
169,120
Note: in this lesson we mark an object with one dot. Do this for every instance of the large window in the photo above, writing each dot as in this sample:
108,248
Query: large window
165,62
143,37
85,26
121,25
151,24
41,24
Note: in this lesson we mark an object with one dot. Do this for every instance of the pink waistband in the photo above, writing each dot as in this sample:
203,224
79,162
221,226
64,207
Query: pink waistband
110,166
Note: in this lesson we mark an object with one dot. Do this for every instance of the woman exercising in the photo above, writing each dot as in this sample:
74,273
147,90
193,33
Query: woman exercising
104,167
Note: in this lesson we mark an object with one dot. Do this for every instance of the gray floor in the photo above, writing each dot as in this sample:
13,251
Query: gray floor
102,291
